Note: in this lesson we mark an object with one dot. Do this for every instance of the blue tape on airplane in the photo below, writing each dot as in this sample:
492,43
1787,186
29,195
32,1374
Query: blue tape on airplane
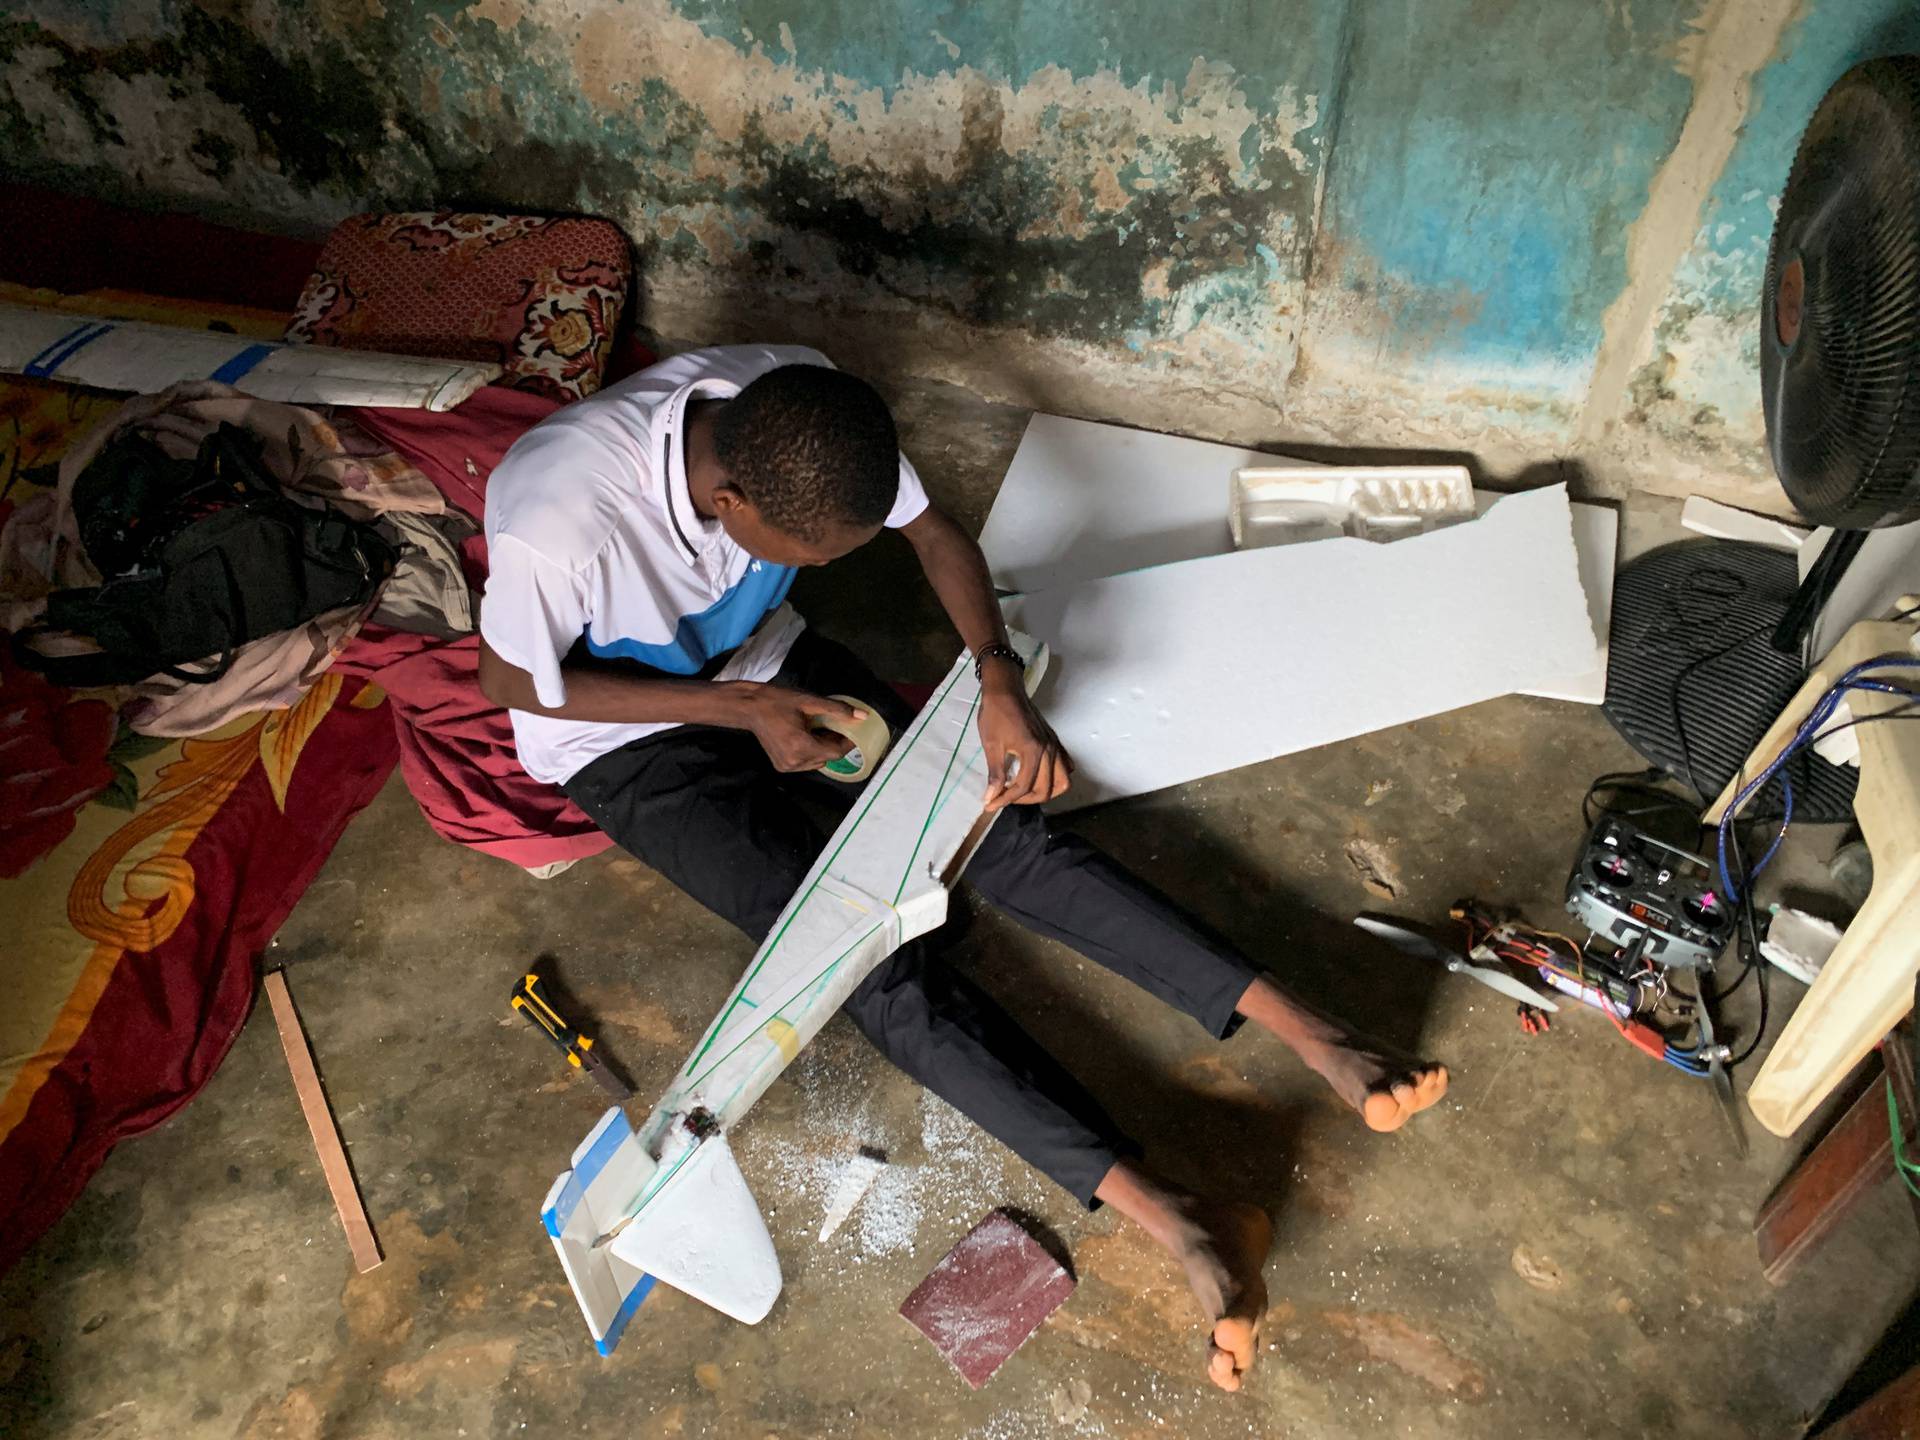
239,364
65,348
565,1198
639,1292
616,1133
599,1148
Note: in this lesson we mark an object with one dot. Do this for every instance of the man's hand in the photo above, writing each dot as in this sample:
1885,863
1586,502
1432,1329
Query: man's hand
782,721
1026,764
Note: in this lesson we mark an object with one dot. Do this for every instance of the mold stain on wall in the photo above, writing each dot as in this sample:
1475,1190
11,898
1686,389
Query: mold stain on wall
1373,222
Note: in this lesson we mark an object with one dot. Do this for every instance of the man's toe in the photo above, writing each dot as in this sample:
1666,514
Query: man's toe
1382,1110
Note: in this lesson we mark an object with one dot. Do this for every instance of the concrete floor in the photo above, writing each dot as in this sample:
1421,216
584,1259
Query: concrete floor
201,1287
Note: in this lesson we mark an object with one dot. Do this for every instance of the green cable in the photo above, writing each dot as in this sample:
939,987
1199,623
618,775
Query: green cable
1907,1169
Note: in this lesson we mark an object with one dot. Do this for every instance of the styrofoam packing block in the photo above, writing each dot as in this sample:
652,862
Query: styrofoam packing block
1286,504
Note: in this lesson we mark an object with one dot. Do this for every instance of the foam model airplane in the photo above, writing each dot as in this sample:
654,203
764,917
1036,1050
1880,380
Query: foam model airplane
668,1201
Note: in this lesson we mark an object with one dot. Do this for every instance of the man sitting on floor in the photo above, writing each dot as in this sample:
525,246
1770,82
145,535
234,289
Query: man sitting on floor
642,543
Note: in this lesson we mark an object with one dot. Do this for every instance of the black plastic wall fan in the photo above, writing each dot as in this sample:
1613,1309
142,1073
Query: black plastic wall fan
1840,317
1840,321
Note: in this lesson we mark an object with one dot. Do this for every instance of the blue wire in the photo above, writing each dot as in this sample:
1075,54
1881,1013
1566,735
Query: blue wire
1810,727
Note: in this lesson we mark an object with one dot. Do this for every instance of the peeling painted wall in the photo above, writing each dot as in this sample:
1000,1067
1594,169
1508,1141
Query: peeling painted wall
1379,223
1490,161
1694,397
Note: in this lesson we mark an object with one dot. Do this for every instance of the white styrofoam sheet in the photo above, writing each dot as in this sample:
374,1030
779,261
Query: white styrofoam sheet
142,357
1083,500
1725,522
1887,567
1179,671
1596,543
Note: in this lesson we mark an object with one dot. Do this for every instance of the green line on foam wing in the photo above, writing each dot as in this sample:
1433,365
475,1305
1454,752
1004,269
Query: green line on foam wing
867,802
934,809
939,803
748,1037
654,1186
818,980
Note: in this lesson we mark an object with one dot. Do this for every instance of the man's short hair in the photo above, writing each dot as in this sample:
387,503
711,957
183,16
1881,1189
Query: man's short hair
811,447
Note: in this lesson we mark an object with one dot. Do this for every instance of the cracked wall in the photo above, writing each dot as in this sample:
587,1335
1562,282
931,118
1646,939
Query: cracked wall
1380,223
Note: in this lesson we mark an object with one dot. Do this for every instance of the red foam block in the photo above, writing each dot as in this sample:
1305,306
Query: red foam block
987,1296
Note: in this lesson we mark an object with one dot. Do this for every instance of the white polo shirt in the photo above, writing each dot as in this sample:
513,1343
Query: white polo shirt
591,534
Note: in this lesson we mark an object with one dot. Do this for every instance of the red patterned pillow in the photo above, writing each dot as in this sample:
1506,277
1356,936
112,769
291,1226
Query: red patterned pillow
540,297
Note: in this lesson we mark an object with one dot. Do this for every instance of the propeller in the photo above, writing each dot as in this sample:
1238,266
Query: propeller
1421,947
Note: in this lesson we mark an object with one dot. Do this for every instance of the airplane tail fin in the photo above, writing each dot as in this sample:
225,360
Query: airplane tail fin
703,1234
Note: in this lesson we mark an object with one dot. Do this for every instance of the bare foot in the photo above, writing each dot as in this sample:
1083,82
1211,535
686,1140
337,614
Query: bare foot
1221,1246
1402,1093
1223,1252
1386,1089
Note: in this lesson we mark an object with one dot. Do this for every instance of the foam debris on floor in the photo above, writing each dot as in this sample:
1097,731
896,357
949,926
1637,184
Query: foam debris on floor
862,1168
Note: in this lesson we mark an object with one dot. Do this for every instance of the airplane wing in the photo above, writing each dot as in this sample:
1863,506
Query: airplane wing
668,1201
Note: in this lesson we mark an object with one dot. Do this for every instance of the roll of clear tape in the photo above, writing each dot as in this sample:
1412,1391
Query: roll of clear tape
869,735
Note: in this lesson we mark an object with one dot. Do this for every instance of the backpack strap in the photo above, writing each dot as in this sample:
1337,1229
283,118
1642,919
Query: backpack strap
94,669
77,672
202,677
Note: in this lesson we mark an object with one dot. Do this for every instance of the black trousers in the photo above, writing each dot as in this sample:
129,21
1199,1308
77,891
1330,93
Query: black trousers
705,808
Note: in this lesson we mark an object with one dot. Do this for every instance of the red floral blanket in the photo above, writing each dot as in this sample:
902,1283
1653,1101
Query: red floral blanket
139,878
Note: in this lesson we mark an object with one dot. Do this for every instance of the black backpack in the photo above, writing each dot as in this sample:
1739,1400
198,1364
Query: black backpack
200,556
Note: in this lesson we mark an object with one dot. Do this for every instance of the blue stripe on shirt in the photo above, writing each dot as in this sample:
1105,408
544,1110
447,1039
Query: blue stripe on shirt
721,627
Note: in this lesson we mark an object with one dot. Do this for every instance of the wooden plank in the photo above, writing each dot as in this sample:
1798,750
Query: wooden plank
1893,1414
1851,1158
326,1138
1896,1051
1819,1192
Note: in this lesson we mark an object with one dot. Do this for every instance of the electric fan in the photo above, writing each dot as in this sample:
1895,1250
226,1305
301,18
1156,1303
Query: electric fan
1840,322
1707,635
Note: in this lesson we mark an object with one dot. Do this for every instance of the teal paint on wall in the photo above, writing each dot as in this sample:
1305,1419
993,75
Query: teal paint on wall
1728,260
1478,238
1269,46
1490,161
1087,195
